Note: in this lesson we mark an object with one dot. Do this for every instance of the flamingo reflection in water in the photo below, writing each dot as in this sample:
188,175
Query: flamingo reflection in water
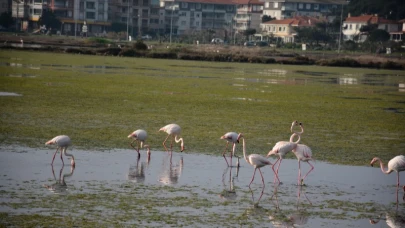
60,186
229,194
296,219
171,172
136,172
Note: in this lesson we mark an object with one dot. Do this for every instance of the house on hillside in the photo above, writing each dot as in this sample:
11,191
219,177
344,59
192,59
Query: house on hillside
400,35
352,25
284,29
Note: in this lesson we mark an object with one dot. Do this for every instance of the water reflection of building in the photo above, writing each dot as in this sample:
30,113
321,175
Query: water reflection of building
171,172
60,186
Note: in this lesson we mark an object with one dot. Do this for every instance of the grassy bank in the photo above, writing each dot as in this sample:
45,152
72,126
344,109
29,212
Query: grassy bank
99,100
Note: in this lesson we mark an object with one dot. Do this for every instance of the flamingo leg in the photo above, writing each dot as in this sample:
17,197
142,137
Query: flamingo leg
54,155
262,178
397,179
232,152
299,173
223,154
137,149
253,177
61,153
312,167
171,144
278,167
275,170
164,143
276,177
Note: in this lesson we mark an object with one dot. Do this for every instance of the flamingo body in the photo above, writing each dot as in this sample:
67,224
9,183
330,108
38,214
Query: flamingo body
257,161
230,137
140,137
173,130
303,153
396,164
62,142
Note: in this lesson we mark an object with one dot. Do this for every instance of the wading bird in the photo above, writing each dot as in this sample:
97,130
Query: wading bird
230,137
173,130
396,164
139,136
283,147
62,142
257,161
303,153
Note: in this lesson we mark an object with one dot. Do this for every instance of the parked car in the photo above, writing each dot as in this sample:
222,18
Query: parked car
261,44
217,41
146,37
249,43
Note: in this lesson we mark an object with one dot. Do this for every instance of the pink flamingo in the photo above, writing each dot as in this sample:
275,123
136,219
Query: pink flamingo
257,161
230,137
139,136
283,147
173,130
303,153
62,142
396,164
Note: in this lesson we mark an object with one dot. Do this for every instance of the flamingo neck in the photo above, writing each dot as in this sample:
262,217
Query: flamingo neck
292,138
382,167
244,150
179,140
69,155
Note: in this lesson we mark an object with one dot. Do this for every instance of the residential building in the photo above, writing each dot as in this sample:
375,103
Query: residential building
284,29
20,12
352,25
5,6
248,15
400,35
185,16
282,9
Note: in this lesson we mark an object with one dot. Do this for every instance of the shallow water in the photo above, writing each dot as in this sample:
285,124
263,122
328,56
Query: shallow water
334,195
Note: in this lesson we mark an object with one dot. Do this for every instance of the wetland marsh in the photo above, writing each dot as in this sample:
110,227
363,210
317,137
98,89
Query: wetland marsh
350,115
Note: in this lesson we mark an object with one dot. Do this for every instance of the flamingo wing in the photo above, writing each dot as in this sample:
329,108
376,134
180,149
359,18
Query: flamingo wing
397,163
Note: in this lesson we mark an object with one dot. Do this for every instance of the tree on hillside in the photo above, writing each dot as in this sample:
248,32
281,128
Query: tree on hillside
312,35
378,35
6,20
49,19
390,9
249,32
266,18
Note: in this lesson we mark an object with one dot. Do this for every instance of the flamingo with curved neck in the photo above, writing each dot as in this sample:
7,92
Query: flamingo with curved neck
257,161
62,142
173,130
396,164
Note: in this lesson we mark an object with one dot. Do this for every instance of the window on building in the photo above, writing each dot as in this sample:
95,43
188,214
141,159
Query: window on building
101,17
267,5
37,11
350,27
275,5
316,6
183,14
279,29
101,6
198,5
308,6
192,14
183,23
90,5
184,5
192,5
197,23
123,19
70,13
81,6
301,6
90,15
145,2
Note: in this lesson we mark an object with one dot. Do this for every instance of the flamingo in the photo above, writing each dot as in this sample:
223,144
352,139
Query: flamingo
173,130
62,142
303,153
232,137
257,161
139,136
396,164
283,147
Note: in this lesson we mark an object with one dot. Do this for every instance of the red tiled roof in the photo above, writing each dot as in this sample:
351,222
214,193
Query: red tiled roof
296,21
370,19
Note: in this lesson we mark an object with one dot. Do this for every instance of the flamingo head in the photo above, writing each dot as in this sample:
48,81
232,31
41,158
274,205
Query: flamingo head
374,161
271,152
182,148
240,135
132,135
294,123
